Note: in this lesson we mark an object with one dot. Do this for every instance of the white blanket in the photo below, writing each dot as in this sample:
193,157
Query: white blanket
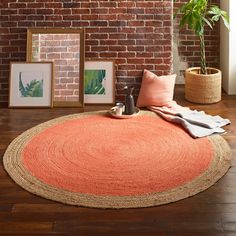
197,123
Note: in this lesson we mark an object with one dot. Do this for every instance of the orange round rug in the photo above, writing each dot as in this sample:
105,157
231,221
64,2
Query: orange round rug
94,160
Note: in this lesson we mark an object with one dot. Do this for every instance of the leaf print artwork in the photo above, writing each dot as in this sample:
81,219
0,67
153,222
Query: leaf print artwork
95,82
31,84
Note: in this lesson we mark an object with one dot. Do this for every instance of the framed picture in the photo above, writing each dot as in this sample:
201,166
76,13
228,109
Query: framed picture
99,82
65,47
31,84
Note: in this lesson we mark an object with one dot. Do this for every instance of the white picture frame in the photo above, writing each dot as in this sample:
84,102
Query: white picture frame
31,84
99,77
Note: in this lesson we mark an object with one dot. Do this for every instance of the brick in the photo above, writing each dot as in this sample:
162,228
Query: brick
44,24
134,73
117,48
126,67
80,11
26,24
92,42
17,5
66,92
118,23
35,5
90,55
62,24
144,4
65,81
71,5
136,23
108,54
27,11
71,17
60,11
117,10
99,36
135,48
127,4
128,30
108,30
17,42
108,4
44,11
99,48
9,24
137,11
98,23
117,36
53,18
89,17
136,36
126,42
145,17
35,17
17,17
135,60
146,66
10,49
8,12
100,11
80,24
154,61
67,55
144,54
144,42
126,17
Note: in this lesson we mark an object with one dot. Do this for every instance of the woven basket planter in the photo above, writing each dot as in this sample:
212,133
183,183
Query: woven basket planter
204,89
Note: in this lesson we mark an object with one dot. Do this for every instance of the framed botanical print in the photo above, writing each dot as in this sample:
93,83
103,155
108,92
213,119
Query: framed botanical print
99,82
31,84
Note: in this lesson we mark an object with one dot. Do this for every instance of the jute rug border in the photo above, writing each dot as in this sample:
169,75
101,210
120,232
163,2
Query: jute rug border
13,165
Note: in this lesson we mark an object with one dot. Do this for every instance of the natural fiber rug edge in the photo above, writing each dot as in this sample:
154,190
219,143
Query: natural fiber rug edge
22,177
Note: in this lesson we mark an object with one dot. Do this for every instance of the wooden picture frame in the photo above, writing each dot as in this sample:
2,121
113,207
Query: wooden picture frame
31,84
99,82
65,47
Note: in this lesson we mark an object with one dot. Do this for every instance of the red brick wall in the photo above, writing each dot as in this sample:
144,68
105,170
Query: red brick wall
188,45
136,34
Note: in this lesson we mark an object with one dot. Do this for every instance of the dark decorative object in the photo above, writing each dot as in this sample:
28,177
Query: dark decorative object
129,101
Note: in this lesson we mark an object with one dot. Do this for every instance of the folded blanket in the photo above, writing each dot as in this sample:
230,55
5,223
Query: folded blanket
197,123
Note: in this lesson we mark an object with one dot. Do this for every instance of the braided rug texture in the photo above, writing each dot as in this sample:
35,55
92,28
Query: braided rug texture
94,160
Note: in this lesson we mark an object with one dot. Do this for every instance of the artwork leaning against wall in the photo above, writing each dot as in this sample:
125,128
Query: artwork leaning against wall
65,47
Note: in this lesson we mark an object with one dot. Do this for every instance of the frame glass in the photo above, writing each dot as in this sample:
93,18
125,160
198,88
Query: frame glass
65,47
99,82
31,84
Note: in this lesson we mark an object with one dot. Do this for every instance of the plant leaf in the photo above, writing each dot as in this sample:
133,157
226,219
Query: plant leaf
207,22
217,13
21,86
225,19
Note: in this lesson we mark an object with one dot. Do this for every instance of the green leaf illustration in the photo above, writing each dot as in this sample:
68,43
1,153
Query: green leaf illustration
21,86
93,82
32,89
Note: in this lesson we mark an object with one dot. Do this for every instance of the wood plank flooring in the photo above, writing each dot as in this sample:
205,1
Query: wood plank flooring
211,213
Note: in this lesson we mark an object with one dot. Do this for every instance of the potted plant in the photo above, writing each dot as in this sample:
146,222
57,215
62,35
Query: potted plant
202,84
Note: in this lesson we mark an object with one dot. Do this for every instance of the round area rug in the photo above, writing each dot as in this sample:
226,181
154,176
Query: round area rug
94,160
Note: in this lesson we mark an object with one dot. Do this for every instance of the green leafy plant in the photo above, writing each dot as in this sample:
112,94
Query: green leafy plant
198,14
32,89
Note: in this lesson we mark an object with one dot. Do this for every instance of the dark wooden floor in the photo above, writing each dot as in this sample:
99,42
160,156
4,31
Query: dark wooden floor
212,212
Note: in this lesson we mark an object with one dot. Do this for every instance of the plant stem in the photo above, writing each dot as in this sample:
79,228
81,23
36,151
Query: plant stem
203,55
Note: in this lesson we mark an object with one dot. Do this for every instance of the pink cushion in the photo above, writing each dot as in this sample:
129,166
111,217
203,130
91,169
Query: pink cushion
156,90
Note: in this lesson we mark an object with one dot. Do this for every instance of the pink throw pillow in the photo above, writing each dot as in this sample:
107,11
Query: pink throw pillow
156,90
